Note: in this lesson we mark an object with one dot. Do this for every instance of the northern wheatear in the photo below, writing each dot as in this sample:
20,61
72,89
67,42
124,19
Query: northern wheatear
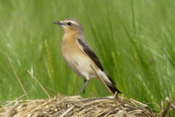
80,57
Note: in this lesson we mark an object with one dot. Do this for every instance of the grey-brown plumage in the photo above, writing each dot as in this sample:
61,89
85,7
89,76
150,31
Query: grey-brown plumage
79,56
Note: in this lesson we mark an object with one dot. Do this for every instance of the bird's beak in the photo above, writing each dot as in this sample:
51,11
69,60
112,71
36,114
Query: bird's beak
59,23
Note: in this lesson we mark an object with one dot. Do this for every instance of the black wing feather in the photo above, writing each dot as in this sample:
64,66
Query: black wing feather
91,54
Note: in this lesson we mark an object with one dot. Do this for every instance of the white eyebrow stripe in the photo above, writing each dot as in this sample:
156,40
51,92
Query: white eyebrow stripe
73,22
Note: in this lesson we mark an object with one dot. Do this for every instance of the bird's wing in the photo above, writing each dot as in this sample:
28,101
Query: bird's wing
90,53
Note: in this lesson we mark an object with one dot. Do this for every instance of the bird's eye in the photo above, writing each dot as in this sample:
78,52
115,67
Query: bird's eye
69,23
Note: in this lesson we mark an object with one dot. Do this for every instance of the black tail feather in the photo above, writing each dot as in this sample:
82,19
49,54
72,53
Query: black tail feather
112,86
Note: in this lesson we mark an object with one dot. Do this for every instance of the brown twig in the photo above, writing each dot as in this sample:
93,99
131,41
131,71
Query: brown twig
38,83
169,105
48,88
17,76
172,104
101,80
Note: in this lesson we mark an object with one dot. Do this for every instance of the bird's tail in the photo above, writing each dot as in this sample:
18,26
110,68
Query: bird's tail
108,81
112,86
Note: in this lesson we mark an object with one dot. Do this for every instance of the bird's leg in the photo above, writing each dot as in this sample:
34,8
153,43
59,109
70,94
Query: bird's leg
83,88
85,82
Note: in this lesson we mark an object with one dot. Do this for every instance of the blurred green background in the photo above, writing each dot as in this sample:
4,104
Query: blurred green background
134,40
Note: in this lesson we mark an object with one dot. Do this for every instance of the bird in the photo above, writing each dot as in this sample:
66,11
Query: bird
79,55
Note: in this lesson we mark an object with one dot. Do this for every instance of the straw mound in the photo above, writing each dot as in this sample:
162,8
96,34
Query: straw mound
77,106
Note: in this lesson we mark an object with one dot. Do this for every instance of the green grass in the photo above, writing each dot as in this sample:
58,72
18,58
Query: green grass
133,39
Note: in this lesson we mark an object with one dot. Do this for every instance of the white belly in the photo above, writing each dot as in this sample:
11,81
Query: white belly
80,65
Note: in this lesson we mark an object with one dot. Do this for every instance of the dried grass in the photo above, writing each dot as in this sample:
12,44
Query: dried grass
76,106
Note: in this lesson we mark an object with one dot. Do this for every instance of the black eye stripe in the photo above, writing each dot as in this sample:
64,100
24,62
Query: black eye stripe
69,23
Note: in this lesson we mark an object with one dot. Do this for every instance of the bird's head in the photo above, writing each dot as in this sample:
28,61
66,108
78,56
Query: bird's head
70,25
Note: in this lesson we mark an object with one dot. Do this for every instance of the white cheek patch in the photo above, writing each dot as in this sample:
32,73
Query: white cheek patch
103,76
